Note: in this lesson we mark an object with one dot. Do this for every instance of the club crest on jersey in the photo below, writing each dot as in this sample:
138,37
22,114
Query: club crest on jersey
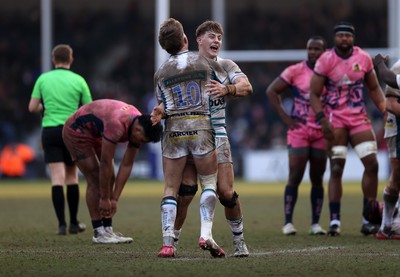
356,67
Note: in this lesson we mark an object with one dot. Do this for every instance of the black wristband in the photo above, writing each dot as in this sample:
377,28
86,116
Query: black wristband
320,115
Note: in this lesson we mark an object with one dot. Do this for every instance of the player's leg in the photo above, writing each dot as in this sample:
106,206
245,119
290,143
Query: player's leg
298,158
57,176
228,196
53,157
90,169
186,193
317,170
206,166
232,207
173,171
391,193
335,189
317,163
364,144
73,195
298,152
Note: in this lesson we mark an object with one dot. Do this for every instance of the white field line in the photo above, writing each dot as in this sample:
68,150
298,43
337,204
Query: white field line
309,250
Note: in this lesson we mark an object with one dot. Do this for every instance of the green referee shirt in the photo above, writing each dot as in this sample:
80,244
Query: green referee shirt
62,92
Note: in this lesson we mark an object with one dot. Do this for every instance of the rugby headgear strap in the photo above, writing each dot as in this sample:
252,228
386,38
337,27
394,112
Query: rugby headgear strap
344,27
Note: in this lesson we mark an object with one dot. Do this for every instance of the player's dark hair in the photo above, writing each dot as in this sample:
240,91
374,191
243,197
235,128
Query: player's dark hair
209,26
324,43
171,36
152,132
62,53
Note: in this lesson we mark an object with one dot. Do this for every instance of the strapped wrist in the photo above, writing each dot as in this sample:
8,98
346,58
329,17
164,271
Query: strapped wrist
231,89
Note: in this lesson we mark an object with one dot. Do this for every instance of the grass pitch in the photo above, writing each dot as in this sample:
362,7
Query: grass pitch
29,246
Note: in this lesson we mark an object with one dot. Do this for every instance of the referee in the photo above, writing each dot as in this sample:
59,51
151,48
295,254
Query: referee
57,94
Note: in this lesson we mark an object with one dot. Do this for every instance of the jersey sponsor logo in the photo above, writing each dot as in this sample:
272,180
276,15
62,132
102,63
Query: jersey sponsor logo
183,134
217,102
196,75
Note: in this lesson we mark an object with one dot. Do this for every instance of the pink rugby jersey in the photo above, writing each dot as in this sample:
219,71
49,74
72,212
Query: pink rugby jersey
298,76
345,80
107,118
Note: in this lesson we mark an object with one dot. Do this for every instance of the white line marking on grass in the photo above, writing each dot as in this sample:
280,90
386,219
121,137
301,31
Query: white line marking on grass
293,251
269,253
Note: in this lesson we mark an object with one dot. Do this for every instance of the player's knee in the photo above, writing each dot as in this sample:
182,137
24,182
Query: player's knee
336,170
366,148
339,152
188,190
229,203
208,182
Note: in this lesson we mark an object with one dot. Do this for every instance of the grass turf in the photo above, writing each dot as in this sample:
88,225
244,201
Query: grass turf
29,246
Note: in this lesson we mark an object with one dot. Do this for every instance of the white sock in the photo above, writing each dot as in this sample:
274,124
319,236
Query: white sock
168,215
388,208
208,200
236,227
177,234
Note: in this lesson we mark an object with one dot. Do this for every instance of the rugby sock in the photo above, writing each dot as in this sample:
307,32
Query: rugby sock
168,215
390,201
290,198
317,199
57,196
208,199
177,234
98,227
107,222
73,202
236,227
334,208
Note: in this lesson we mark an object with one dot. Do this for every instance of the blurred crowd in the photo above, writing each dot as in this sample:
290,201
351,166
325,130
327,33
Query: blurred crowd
115,53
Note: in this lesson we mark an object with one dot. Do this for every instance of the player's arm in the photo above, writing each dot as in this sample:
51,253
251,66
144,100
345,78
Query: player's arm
388,76
124,170
35,105
241,87
316,87
274,90
158,113
106,175
375,91
393,105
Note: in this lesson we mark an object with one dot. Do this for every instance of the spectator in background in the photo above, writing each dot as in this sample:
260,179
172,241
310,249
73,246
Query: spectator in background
57,94
13,159
346,70
305,139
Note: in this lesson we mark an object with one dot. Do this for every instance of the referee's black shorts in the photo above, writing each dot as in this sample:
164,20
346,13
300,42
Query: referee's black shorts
53,146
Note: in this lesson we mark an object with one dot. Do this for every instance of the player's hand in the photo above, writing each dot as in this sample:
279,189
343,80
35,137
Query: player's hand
156,115
379,59
327,129
292,123
105,207
216,88
113,207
